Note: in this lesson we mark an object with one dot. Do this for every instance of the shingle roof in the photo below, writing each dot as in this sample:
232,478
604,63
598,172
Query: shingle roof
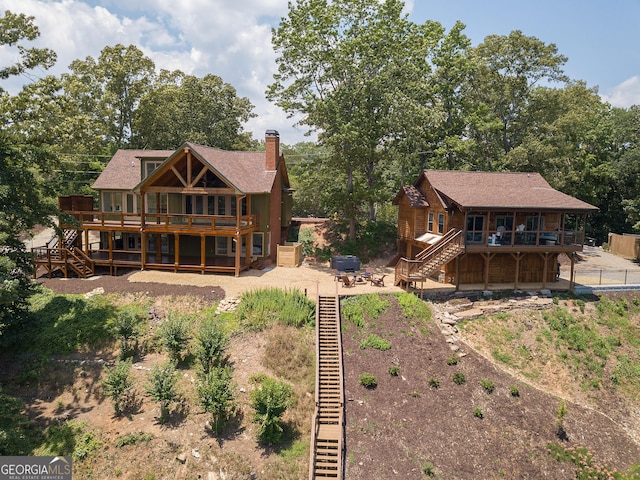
415,197
123,170
500,190
243,170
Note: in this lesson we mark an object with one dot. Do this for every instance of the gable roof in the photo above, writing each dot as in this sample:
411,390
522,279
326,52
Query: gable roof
243,170
499,190
123,170
415,197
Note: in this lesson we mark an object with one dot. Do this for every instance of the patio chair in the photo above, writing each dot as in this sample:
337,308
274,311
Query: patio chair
337,276
346,281
378,282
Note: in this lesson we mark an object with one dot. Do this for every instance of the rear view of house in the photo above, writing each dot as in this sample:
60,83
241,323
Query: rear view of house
197,208
486,227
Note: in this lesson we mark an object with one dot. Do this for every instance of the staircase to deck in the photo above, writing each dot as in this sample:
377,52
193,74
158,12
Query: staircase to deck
327,436
65,257
431,259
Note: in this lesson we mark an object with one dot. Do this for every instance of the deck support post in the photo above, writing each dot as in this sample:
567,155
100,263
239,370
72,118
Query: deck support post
176,255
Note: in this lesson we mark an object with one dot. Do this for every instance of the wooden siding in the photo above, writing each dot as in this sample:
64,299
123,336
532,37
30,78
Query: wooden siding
502,268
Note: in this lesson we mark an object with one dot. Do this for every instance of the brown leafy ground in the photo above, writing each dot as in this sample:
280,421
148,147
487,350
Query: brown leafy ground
405,423
392,431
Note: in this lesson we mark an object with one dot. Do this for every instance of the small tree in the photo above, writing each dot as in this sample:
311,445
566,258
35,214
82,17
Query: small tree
216,390
118,384
174,334
211,345
270,400
161,386
126,329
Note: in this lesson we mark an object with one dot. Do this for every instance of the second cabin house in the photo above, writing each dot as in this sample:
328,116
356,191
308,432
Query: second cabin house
467,227
197,209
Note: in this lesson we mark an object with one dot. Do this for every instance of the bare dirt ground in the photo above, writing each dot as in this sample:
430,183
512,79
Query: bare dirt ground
392,431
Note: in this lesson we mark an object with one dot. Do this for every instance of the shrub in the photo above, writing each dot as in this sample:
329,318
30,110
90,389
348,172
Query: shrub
488,385
368,380
211,345
514,390
453,360
459,378
394,371
428,469
477,412
126,328
413,307
375,341
270,400
133,439
307,239
118,384
161,386
434,382
174,335
216,391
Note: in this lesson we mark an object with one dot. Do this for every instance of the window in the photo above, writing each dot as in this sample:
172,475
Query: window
150,166
430,222
257,243
111,201
441,223
133,205
153,206
505,221
194,204
532,222
475,228
221,245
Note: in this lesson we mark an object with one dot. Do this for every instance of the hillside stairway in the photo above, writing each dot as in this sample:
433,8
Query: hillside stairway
66,257
431,259
327,436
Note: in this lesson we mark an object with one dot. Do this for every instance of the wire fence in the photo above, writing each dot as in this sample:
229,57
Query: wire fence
606,276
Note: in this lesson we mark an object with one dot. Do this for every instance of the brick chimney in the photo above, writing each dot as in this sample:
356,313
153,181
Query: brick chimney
272,141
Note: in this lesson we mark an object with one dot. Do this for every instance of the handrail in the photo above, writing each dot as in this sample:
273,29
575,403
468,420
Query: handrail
157,220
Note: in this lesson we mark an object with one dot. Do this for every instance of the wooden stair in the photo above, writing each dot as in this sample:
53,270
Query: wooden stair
66,257
327,438
431,259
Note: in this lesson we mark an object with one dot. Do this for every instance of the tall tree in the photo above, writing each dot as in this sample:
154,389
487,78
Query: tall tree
350,67
508,69
109,89
24,199
183,107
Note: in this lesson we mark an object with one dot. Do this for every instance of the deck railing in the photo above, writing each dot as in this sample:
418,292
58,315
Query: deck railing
166,221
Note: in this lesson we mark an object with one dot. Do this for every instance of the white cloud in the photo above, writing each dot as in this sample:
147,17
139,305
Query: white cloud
625,94
231,39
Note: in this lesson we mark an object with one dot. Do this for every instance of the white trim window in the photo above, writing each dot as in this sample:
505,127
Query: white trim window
111,201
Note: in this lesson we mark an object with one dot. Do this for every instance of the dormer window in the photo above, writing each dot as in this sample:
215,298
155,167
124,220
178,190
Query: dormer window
150,166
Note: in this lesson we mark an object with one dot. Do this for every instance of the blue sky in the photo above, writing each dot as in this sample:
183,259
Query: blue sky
232,39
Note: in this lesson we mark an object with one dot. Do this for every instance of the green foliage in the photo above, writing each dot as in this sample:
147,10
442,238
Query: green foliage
376,342
270,400
478,413
69,438
307,238
175,334
514,391
162,386
488,385
211,344
126,327
68,323
586,467
216,391
453,360
394,370
413,307
459,378
368,380
18,434
118,384
434,382
428,469
261,308
352,312
133,439
373,304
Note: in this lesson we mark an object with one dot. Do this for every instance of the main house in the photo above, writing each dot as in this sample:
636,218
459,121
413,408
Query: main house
484,228
197,208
